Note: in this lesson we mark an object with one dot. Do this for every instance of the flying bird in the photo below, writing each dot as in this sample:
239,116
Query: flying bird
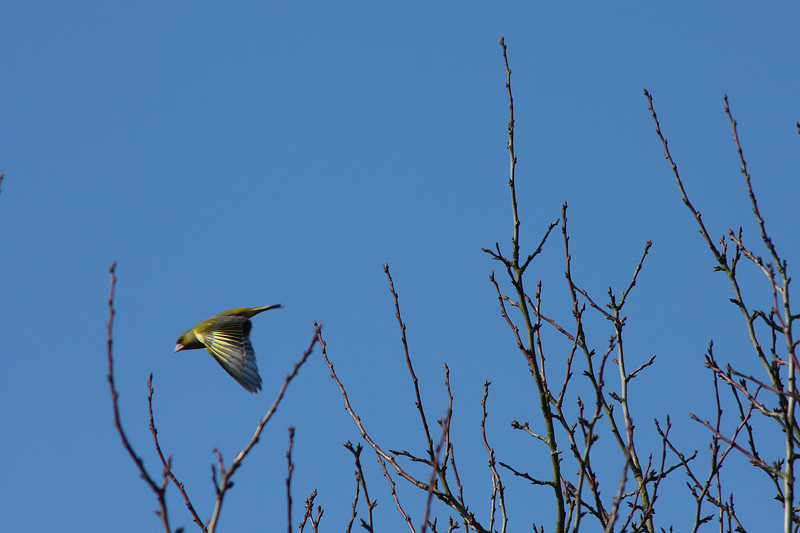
226,336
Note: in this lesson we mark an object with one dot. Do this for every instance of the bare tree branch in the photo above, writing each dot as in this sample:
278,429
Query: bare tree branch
167,463
226,474
290,469
158,489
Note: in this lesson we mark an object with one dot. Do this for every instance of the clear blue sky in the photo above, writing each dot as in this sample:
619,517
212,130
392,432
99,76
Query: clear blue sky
263,153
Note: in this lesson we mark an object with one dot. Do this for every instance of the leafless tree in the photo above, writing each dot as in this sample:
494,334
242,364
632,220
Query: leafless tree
584,396
221,485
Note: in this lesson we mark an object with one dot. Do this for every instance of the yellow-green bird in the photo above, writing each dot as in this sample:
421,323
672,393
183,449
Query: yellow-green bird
226,336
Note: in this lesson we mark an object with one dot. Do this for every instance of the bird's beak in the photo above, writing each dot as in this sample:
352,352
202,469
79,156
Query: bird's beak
179,347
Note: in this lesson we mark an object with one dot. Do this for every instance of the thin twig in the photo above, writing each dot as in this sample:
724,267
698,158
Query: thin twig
290,469
159,490
167,463
309,513
383,457
356,451
436,470
418,403
450,450
225,474
498,490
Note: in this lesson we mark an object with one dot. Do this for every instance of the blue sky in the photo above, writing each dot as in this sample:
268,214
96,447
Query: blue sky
262,153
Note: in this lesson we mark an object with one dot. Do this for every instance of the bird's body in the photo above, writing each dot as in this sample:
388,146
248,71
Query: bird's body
226,336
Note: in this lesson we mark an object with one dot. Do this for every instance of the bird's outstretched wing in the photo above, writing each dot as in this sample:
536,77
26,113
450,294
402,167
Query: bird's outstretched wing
229,343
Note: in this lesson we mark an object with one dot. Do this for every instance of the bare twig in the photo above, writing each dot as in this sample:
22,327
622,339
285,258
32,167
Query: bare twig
309,513
789,401
356,451
450,451
290,469
444,494
167,463
226,474
779,321
158,489
355,504
525,475
612,518
531,346
498,490
418,403
436,471
394,494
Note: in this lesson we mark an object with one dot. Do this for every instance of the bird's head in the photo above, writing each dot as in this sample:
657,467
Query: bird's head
187,341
